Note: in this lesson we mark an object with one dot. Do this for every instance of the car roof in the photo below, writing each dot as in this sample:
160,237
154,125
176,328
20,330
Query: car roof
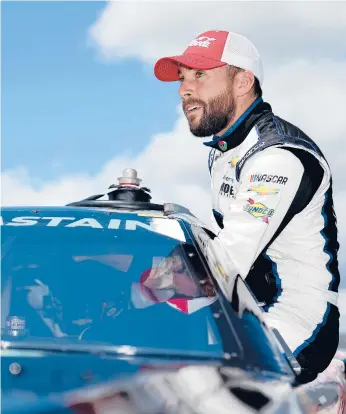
243,313
105,218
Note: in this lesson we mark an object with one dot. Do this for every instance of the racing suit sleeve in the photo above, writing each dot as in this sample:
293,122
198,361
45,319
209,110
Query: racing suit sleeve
275,185
269,183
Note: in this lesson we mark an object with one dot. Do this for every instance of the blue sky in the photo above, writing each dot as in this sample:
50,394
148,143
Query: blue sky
62,109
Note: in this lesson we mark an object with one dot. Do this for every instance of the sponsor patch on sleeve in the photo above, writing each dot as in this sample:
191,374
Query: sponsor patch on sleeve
258,210
263,190
268,178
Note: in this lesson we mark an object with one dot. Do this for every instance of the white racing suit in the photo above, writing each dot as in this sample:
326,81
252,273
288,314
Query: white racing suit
274,215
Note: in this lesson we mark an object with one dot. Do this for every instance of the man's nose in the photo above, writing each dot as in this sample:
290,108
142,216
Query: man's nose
186,89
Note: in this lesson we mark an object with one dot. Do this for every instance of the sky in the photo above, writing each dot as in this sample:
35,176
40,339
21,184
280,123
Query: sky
80,102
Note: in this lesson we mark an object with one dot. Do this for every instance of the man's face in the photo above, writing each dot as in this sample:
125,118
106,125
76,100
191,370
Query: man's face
207,99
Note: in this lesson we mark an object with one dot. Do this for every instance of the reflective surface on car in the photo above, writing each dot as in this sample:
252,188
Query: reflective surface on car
116,282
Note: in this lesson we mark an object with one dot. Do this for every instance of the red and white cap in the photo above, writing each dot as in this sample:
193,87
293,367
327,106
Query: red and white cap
181,304
210,50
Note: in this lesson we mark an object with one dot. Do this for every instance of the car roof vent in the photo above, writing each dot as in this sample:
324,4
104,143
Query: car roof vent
129,177
129,188
127,194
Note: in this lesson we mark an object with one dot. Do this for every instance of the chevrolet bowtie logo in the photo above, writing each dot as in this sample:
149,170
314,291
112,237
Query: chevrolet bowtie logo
263,190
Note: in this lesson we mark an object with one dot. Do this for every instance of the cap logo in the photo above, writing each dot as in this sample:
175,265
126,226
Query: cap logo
203,41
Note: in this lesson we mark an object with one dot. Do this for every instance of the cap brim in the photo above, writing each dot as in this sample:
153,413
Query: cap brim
166,69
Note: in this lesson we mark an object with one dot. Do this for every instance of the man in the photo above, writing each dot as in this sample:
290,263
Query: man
271,193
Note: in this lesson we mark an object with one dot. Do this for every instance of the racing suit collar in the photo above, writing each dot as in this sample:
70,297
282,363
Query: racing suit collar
237,133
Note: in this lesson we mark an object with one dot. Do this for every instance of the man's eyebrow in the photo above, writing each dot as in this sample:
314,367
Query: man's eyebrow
185,67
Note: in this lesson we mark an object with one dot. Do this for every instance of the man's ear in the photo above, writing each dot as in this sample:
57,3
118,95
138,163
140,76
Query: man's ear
245,82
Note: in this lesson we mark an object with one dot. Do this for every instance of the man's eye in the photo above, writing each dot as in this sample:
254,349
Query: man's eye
181,78
199,74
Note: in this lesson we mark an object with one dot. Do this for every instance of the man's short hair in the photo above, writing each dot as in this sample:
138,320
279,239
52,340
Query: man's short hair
257,90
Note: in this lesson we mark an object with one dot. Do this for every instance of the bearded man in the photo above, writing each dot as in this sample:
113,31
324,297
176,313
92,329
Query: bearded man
271,193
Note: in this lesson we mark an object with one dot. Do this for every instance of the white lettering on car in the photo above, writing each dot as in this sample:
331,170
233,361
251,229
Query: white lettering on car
23,221
161,226
169,228
114,224
86,222
132,225
55,221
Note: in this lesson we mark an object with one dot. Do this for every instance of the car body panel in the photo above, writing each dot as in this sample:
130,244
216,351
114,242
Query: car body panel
167,365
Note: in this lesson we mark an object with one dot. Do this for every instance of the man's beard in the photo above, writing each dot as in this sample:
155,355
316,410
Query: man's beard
217,114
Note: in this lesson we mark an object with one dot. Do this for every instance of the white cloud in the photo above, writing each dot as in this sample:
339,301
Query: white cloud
282,31
173,166
312,95
302,45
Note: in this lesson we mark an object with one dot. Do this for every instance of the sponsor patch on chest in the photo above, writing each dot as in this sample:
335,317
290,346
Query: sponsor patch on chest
227,188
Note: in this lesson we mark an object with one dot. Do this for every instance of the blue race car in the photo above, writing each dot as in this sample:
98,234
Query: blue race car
117,306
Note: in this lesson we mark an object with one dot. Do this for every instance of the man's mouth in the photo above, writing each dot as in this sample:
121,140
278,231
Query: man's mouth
191,108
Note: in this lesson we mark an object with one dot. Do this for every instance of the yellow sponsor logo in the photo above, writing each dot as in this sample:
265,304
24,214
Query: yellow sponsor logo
234,161
263,190
258,210
221,270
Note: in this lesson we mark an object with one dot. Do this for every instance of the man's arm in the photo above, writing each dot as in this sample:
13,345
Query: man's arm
274,185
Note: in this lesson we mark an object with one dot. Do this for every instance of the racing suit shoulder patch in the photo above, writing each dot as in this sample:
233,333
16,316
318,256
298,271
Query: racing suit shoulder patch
278,141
